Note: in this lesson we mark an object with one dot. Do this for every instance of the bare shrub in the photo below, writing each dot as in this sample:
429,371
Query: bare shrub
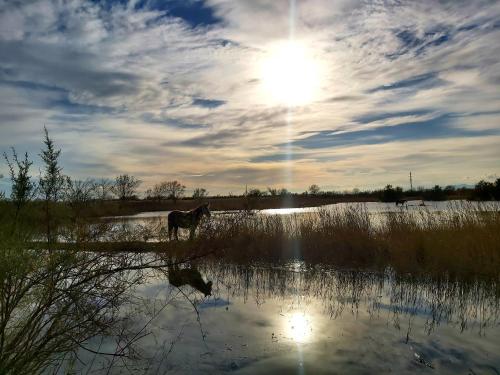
125,186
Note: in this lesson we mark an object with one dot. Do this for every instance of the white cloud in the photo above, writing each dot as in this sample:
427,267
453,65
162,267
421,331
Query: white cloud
117,86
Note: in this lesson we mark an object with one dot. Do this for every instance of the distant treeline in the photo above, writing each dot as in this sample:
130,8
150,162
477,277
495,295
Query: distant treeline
483,191
174,190
125,187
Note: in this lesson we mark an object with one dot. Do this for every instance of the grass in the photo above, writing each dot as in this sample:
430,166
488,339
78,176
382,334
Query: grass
53,300
463,240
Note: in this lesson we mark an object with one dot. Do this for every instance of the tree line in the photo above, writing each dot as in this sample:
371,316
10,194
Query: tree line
483,191
53,186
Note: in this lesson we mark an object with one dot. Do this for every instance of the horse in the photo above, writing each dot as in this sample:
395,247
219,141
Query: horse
190,220
401,202
189,276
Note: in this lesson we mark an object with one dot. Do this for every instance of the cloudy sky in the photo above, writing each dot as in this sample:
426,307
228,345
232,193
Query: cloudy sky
223,93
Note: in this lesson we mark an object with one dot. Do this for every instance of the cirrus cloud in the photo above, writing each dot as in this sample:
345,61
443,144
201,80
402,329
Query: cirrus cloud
171,89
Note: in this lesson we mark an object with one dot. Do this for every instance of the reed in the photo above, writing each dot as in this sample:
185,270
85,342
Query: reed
464,239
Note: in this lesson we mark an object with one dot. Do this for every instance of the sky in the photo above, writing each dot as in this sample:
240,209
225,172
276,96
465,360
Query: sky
226,93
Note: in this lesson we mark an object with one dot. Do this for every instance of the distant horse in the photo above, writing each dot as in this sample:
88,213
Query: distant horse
190,220
189,276
401,202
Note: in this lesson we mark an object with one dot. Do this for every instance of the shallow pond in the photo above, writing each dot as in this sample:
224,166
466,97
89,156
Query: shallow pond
372,207
151,226
306,320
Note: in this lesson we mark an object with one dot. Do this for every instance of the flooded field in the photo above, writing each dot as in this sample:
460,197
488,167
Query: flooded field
373,207
216,316
352,288
151,226
298,319
376,210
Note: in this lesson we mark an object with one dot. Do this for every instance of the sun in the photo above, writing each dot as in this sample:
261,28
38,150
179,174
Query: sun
298,327
291,75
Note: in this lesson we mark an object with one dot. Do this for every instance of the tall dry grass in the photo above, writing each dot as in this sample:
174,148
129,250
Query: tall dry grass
463,239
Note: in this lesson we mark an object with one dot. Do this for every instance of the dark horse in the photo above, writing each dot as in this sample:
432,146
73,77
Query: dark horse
190,220
189,276
401,202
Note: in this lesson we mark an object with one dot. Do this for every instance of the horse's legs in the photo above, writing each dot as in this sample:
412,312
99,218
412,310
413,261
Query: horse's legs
175,233
191,232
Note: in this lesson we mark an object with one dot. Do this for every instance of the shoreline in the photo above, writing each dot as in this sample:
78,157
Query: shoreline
133,207
113,208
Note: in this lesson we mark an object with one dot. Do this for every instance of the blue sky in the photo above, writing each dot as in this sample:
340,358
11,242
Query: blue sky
174,90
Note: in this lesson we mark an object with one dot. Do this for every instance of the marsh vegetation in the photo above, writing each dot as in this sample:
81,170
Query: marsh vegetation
462,239
81,292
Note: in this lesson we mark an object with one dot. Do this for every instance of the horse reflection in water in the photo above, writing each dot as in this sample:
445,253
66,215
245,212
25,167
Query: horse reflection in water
189,276
190,220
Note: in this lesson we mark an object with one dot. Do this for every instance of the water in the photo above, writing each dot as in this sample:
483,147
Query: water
309,320
372,207
153,224
297,318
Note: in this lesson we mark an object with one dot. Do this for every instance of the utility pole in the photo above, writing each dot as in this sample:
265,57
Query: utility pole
411,183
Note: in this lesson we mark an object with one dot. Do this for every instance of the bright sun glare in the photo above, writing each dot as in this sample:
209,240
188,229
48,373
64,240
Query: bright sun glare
299,327
291,75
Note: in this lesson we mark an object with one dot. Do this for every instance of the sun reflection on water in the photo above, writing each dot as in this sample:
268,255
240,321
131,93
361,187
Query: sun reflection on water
299,327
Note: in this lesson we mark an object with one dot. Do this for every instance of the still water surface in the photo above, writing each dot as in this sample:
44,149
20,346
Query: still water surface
310,320
372,207
297,319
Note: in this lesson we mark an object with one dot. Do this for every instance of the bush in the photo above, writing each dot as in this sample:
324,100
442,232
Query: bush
125,187
390,194
435,194
485,191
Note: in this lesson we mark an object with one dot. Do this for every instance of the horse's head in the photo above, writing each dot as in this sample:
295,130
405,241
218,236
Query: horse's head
207,289
205,209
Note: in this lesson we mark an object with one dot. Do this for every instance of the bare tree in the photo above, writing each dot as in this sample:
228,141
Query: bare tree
159,191
272,191
78,195
283,192
254,192
125,186
57,302
148,194
78,192
314,189
275,192
175,190
200,193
